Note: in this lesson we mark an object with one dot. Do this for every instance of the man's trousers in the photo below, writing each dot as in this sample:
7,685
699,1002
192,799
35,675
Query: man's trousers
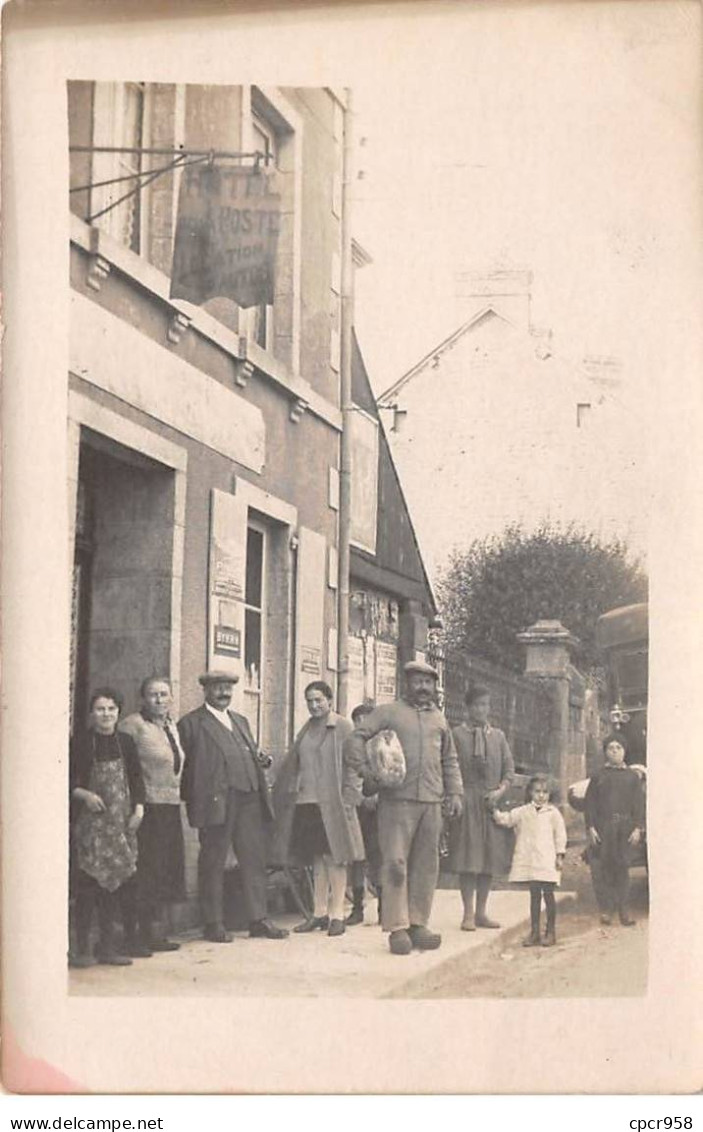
243,829
408,836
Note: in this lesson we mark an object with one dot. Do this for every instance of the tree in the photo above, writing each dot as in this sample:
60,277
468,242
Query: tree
503,584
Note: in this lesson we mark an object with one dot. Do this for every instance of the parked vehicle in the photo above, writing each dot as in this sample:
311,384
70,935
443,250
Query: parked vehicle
623,637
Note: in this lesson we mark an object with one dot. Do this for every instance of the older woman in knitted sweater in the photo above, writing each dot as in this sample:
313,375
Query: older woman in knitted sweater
160,865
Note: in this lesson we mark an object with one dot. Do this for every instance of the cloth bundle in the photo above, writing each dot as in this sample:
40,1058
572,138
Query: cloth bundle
386,761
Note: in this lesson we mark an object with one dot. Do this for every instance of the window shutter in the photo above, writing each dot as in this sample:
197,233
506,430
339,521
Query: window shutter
227,573
309,616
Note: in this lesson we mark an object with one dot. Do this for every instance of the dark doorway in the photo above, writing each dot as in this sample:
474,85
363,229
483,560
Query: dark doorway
123,566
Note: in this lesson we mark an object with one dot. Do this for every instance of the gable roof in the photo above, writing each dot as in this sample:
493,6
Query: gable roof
389,556
446,344
606,388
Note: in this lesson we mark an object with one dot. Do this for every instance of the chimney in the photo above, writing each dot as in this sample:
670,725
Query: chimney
506,291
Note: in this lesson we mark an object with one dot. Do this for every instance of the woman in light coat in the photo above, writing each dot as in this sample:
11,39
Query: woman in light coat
315,801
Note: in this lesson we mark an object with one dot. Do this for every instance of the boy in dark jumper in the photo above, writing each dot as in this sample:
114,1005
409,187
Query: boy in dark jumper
614,808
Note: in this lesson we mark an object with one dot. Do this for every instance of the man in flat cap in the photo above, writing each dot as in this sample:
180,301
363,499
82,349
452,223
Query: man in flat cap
228,801
410,812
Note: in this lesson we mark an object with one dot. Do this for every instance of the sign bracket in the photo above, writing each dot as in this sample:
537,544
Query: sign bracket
144,177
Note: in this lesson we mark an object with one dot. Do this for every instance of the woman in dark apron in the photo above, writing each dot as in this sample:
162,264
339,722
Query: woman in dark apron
107,796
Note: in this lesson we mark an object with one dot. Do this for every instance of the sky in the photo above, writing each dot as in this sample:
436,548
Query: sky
561,138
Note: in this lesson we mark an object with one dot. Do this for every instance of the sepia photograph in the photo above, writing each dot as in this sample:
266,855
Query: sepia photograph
309,705
364,471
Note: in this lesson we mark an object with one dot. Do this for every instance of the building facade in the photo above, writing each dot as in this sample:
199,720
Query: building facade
392,606
493,427
205,440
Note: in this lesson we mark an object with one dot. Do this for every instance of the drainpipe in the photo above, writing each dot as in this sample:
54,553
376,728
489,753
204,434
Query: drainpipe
345,396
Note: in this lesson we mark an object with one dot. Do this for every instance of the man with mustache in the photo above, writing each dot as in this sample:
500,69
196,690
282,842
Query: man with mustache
410,812
228,801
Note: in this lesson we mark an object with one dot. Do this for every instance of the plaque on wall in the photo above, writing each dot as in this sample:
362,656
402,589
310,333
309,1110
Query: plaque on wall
386,672
310,661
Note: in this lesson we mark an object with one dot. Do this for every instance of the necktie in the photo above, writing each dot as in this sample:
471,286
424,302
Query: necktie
480,744
174,747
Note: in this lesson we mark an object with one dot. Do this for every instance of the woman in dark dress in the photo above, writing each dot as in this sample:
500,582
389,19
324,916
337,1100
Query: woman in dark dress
479,849
107,793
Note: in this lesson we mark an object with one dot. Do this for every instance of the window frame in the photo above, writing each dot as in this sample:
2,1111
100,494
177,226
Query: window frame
109,128
270,106
261,528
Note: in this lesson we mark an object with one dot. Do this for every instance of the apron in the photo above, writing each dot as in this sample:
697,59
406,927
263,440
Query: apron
105,849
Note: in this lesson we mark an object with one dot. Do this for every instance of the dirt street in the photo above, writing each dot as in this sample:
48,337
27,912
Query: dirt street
590,960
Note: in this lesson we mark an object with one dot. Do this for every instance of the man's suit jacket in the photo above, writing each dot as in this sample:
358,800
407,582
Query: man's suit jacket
204,784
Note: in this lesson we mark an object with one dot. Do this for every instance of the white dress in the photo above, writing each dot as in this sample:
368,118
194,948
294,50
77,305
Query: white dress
541,835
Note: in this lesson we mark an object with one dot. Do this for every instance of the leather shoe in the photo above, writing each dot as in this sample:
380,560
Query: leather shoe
468,924
81,961
264,929
138,950
356,916
550,939
312,925
400,942
336,927
422,938
216,933
165,945
626,919
113,959
606,919
532,940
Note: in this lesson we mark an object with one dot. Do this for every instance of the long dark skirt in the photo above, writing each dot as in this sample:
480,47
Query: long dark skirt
160,863
308,838
476,843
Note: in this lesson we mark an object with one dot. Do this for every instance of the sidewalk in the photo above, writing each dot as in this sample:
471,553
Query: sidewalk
357,964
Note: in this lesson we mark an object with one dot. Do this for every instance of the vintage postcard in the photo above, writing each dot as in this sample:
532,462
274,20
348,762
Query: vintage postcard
351,578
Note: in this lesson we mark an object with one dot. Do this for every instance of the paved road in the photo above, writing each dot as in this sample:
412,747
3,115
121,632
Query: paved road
357,964
590,960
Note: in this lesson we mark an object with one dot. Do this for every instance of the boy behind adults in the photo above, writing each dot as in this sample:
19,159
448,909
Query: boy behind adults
410,813
359,871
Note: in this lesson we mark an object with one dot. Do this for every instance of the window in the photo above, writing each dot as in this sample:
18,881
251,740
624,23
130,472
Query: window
364,485
254,645
265,139
120,113
583,412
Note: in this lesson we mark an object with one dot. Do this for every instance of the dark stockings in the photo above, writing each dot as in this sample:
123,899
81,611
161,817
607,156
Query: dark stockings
537,890
92,896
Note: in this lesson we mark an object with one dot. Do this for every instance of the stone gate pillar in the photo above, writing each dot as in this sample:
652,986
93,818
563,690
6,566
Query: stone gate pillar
549,647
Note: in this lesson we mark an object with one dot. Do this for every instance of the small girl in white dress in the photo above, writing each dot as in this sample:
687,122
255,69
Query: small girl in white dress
539,854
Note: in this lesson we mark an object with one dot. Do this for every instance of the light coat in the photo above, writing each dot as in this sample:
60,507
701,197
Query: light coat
541,835
339,793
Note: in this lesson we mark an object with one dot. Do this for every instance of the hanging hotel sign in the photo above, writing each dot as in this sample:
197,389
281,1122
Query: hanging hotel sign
226,235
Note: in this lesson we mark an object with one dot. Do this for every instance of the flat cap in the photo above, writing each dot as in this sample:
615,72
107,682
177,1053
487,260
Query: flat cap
421,667
217,676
